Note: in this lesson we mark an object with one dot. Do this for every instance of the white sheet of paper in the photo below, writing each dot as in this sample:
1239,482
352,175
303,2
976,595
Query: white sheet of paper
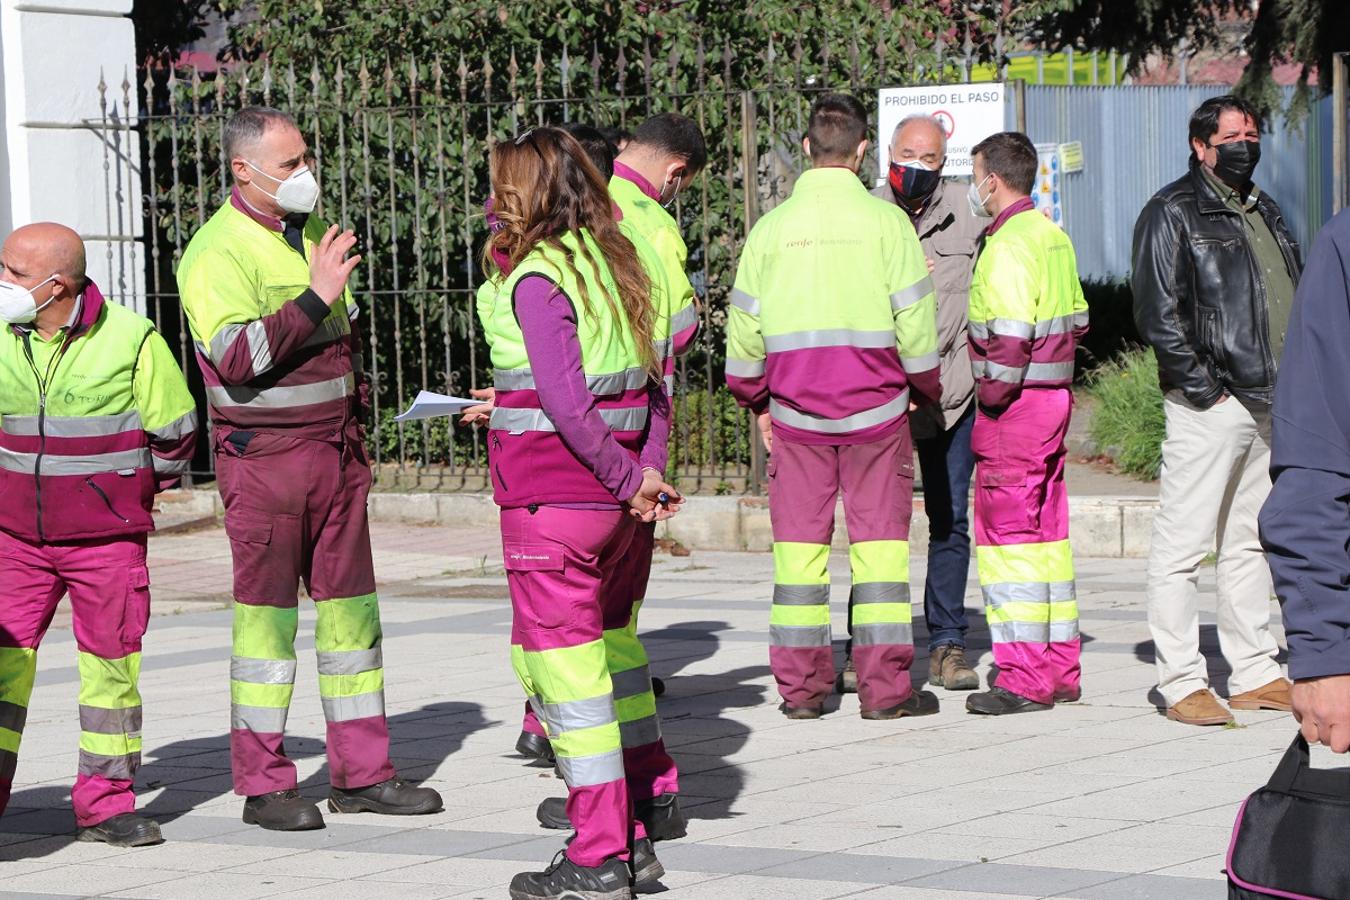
429,404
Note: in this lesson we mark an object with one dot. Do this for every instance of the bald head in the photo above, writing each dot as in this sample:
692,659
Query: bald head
921,138
48,248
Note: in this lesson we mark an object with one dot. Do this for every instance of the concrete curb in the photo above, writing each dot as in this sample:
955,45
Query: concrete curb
1098,525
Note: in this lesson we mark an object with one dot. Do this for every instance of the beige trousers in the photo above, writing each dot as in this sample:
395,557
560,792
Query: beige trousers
1215,476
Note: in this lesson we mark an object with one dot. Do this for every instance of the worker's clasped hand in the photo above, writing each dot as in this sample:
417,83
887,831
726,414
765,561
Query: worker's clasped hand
480,414
647,506
1322,709
330,266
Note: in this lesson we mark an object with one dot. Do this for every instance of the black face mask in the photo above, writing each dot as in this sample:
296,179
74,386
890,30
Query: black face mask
913,186
1236,161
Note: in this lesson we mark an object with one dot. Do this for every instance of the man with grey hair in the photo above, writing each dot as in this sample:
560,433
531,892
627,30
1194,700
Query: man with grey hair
264,287
947,232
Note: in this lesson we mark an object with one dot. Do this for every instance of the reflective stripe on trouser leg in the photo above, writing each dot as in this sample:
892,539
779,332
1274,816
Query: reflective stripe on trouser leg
18,666
800,654
347,638
110,737
1032,611
262,679
883,636
530,722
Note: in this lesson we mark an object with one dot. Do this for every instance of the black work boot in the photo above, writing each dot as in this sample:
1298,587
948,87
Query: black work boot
536,748
847,682
282,811
565,880
661,816
947,667
646,867
658,686
394,797
799,712
1000,702
920,703
129,830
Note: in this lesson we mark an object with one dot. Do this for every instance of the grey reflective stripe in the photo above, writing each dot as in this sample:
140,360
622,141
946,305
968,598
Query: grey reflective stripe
998,372
517,420
669,382
1057,325
799,635
350,662
1081,319
1011,328
74,426
258,719
575,715
1019,632
866,419
587,771
640,732
977,368
114,768
9,763
1063,631
362,706
110,721
613,383
877,633
912,294
881,592
282,396
262,671
685,318
12,715
921,363
663,347
171,466
828,337
178,428
801,594
1060,371
743,301
995,595
259,350
744,368
331,329
513,379
89,464
631,682
978,330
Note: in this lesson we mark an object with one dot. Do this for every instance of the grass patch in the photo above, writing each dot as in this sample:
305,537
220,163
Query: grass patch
1127,418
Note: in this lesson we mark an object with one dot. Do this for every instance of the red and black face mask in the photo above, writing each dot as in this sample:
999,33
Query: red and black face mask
913,184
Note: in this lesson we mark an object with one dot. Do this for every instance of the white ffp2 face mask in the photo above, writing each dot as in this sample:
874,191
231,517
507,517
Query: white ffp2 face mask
297,193
977,205
17,306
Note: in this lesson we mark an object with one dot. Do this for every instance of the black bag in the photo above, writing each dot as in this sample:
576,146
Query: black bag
1291,836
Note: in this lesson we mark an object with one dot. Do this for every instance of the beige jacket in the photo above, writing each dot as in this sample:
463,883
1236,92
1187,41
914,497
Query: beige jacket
947,233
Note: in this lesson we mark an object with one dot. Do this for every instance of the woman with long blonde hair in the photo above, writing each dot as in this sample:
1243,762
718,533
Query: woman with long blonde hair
579,412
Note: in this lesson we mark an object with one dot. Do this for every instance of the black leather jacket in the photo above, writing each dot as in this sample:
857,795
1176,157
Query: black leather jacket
1199,299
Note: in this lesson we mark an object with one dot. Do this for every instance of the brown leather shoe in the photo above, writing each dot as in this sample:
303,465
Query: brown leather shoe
1200,708
947,668
1273,696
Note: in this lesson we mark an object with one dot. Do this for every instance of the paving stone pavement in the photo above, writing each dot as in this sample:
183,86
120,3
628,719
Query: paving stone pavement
1102,799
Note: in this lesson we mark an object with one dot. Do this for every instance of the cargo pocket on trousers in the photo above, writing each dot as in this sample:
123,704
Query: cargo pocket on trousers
1007,502
136,614
257,570
540,597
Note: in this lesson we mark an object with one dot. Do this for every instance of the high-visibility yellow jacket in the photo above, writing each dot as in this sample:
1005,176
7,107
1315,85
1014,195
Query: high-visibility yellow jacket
644,217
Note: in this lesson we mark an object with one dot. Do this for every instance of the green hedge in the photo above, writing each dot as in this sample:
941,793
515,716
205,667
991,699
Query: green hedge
1127,418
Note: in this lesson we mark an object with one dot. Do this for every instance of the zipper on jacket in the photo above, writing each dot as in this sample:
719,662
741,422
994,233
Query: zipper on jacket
42,418
98,490
497,444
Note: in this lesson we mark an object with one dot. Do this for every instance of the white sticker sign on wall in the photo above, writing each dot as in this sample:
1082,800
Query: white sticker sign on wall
969,113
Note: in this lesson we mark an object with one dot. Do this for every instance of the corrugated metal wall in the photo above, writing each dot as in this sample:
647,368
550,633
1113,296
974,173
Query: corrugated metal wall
1134,142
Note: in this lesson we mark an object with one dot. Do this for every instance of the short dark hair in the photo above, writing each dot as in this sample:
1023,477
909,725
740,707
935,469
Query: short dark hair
1205,119
677,135
838,124
1012,157
615,135
246,127
597,148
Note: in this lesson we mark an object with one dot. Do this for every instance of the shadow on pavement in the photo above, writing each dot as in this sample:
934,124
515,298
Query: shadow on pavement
196,771
697,734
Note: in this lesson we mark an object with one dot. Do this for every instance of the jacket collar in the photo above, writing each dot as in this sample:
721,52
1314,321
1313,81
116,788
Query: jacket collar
628,173
88,307
1207,199
829,178
1026,204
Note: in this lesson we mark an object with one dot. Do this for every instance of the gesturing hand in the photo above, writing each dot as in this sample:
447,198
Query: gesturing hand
1322,708
479,415
330,267
646,504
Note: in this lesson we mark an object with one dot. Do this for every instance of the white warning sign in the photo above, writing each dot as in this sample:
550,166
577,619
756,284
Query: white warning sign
969,113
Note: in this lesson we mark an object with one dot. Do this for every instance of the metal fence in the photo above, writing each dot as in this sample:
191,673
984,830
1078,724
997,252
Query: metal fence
401,154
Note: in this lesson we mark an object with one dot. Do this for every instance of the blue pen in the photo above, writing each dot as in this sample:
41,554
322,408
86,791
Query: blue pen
663,498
